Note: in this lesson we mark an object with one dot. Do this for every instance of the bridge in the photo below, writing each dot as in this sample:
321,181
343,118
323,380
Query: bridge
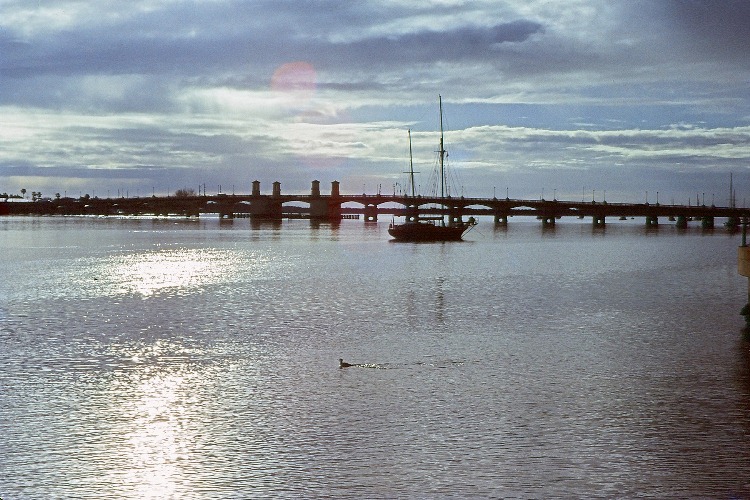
336,206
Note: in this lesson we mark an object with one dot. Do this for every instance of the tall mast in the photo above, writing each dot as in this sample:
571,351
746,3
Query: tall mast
411,168
442,160
442,151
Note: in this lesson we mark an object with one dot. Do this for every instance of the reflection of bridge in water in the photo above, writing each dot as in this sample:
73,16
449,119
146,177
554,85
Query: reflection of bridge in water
336,206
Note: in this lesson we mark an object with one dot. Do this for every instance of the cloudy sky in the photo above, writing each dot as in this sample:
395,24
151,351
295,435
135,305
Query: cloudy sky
541,97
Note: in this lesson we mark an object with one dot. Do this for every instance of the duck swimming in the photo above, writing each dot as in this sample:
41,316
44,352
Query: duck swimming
344,364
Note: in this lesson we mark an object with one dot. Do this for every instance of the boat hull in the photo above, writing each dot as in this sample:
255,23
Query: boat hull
422,231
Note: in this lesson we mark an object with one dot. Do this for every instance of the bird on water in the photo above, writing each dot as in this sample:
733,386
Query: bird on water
344,364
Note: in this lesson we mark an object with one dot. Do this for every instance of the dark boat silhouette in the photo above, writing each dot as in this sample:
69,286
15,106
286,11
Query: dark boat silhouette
417,228
426,230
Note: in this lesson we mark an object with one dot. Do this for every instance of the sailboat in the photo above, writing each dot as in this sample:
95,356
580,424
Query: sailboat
417,228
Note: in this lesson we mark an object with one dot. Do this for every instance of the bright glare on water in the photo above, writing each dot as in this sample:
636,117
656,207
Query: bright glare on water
199,359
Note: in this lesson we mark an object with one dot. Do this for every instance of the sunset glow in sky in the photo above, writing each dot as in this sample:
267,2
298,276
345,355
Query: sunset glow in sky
576,97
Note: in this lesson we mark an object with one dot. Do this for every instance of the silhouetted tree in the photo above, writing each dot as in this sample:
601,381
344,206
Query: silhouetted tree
184,192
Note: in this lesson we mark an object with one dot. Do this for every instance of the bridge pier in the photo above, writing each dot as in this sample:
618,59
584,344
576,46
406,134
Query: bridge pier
707,222
371,213
411,213
682,222
598,220
652,221
501,219
455,215
265,208
548,220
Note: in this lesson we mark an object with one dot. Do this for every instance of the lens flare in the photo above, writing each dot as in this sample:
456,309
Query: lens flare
296,77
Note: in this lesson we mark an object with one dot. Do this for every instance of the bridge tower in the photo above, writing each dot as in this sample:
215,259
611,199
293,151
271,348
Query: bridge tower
325,207
265,207
334,205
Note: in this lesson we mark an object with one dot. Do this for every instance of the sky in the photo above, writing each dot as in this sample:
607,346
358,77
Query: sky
614,100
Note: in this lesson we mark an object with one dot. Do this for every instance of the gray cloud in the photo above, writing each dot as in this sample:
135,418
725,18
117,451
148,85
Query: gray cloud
148,47
462,44
182,89
713,29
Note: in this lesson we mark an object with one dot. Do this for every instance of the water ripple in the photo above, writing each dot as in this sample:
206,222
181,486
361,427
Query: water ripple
169,360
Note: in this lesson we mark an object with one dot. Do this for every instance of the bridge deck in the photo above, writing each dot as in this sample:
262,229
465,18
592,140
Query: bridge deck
336,206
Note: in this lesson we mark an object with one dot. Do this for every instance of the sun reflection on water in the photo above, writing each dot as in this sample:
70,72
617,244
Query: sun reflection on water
156,399
156,440
150,273
172,271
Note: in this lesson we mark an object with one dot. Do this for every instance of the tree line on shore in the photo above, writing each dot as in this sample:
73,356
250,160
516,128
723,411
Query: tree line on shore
37,195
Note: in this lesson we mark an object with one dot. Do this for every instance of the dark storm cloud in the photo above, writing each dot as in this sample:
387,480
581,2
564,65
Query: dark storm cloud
241,42
102,52
717,29
462,44
175,43
181,38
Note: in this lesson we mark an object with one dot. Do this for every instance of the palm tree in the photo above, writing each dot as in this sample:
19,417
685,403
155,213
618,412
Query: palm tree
23,193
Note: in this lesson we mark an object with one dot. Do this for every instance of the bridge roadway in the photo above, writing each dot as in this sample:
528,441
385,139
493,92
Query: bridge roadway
336,205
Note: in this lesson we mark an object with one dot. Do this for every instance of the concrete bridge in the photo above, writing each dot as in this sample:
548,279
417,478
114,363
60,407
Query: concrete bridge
336,206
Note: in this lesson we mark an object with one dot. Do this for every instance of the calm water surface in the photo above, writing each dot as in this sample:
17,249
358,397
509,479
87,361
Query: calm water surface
199,359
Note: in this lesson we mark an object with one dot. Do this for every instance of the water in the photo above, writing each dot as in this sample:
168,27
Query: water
199,359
